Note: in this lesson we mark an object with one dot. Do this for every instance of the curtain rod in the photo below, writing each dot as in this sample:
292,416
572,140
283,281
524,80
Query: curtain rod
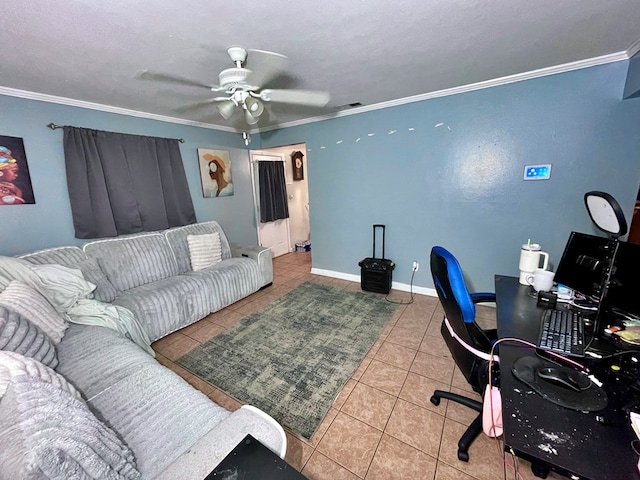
53,126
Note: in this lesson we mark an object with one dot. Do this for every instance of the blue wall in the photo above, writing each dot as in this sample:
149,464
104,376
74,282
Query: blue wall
48,223
454,180
460,184
632,85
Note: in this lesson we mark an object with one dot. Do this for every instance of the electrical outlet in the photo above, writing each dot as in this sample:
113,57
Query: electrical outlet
416,266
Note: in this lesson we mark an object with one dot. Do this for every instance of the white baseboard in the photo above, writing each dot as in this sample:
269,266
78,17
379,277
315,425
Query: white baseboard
431,292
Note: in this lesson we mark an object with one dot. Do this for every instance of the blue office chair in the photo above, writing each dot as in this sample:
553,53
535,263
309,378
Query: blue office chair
469,344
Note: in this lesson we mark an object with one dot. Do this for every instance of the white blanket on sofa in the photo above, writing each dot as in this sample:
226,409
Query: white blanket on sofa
67,291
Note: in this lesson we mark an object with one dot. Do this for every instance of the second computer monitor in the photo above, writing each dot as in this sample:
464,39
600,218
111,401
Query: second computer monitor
584,263
624,284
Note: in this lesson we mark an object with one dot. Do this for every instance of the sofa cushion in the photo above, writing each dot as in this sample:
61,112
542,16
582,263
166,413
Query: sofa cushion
48,431
132,261
156,412
67,256
167,305
28,302
13,365
204,250
231,280
74,257
19,335
177,238
94,358
91,271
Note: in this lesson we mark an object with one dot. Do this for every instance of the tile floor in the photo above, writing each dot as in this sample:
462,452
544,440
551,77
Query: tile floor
382,425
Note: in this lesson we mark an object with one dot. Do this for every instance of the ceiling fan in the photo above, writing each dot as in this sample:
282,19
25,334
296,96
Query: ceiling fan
242,87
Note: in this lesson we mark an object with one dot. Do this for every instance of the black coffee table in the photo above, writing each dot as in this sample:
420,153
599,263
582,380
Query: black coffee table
251,460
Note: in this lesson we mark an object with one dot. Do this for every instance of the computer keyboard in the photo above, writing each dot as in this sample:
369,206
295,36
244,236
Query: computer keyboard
562,331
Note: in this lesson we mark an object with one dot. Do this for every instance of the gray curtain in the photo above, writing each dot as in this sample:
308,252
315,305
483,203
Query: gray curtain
273,191
120,184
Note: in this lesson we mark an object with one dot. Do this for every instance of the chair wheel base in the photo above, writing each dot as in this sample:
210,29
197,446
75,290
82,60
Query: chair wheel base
463,456
435,400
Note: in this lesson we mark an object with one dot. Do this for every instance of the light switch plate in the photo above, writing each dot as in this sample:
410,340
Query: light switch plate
537,172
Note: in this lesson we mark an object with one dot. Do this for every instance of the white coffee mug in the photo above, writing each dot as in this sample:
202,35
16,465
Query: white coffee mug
541,280
530,255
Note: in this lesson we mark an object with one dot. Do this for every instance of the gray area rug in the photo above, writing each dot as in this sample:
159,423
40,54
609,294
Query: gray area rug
292,358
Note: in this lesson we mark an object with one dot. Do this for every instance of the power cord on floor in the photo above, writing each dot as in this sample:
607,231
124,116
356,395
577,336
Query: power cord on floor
410,292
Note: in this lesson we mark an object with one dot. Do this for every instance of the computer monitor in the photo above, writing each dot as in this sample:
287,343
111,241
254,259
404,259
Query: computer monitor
584,262
624,284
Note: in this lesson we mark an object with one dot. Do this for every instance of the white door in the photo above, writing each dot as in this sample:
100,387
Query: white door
272,235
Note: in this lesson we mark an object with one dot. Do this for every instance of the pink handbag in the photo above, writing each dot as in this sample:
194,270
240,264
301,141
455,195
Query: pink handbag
492,412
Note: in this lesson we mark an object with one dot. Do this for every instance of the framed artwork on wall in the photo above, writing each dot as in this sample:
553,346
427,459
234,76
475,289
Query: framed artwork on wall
215,173
297,165
15,181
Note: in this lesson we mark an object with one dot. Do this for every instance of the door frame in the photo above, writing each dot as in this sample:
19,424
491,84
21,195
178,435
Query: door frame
255,158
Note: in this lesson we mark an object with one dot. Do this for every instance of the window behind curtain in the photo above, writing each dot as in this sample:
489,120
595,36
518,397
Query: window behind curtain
120,184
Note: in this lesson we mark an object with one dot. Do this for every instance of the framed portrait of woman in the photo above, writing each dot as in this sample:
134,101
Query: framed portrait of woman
15,181
215,173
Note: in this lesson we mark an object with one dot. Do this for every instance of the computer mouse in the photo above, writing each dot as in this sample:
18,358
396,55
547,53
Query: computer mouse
565,377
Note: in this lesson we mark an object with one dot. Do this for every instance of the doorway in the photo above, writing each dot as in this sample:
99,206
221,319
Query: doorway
272,235
299,229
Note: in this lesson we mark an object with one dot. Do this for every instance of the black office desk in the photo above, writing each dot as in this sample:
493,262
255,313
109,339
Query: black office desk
251,460
569,442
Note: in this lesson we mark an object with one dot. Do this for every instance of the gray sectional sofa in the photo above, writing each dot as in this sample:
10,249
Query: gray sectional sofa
150,274
167,428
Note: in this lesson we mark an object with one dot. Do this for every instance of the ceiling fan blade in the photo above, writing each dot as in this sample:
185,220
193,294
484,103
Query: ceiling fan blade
195,106
268,117
264,66
162,77
312,98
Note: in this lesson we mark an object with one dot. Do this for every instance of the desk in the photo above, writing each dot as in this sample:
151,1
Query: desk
251,460
568,442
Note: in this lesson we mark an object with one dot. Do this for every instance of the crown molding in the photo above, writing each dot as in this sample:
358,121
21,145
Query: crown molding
519,77
634,48
43,97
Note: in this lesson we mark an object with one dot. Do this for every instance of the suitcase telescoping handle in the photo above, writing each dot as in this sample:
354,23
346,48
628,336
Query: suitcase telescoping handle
374,238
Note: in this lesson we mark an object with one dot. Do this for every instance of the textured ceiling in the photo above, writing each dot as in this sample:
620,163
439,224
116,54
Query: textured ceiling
360,51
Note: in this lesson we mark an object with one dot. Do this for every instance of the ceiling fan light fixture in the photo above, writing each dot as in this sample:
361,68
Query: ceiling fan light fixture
241,87
226,108
254,106
250,119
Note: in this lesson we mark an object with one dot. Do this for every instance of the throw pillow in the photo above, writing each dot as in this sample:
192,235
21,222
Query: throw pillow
18,334
29,303
49,432
14,365
204,250
91,271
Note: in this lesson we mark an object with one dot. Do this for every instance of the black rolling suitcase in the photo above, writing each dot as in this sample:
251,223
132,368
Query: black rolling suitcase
375,273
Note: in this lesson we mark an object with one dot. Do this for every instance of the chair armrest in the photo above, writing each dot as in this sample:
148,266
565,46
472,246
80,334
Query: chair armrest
260,254
483,297
486,297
